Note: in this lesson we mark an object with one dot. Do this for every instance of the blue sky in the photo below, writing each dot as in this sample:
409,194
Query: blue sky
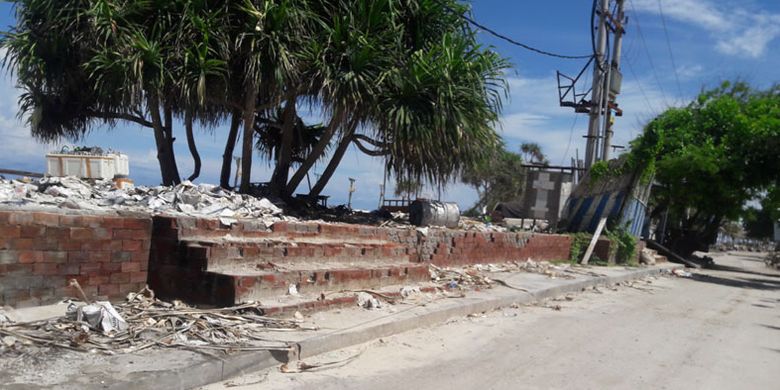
711,41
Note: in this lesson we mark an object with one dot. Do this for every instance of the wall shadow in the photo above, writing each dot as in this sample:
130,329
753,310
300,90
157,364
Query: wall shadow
751,283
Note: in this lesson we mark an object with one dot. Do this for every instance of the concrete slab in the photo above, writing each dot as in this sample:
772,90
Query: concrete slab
34,313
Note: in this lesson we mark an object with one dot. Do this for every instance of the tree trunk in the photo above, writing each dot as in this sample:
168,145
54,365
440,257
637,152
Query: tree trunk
169,136
192,146
162,142
335,160
315,154
230,144
281,172
248,142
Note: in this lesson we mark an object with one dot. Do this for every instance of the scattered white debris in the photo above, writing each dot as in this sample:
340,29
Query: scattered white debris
4,318
408,291
203,200
100,316
681,273
367,301
647,257
292,289
144,322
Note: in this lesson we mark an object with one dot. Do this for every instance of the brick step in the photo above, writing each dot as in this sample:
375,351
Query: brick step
191,228
261,253
227,287
259,285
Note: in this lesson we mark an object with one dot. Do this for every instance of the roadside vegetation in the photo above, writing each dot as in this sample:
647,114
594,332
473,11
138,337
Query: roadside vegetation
709,159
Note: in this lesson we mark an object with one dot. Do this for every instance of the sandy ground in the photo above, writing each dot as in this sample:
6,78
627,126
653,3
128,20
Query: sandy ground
717,330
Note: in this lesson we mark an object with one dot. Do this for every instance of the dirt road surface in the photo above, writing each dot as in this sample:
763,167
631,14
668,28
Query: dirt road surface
719,329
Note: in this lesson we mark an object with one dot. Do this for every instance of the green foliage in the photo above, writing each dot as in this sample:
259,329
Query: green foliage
600,170
623,245
407,74
498,178
579,244
711,157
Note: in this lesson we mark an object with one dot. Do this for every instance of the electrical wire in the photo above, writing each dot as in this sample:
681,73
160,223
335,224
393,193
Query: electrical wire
641,89
669,46
508,39
571,137
647,52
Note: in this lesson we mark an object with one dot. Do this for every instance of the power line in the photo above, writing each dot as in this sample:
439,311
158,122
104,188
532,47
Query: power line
508,39
669,46
641,89
647,52
571,137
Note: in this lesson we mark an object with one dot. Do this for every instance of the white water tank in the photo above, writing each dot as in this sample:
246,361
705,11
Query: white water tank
87,166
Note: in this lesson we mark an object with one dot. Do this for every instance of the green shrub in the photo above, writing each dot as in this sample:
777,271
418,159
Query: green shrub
623,245
579,244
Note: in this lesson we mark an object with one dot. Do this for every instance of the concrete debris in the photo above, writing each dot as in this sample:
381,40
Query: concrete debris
681,273
467,278
202,200
292,289
9,341
367,301
477,276
100,316
150,322
647,257
476,225
408,291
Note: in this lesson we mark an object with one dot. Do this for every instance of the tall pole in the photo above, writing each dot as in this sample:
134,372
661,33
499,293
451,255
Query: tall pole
351,190
614,69
594,124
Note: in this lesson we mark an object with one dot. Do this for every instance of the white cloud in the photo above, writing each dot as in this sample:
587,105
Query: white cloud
736,30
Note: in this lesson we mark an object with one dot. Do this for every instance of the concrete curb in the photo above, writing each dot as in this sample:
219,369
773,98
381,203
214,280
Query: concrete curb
210,371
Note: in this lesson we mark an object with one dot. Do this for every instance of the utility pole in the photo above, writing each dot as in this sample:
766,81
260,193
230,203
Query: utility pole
607,81
615,77
597,97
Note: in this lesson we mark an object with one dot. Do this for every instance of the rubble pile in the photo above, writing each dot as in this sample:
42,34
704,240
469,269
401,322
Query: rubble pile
478,276
202,200
467,278
476,225
143,321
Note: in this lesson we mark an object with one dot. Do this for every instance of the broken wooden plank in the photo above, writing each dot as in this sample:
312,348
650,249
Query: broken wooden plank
592,245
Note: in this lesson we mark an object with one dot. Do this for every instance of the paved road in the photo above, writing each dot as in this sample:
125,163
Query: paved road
717,330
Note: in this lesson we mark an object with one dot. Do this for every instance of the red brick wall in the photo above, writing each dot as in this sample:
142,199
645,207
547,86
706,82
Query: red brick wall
40,251
438,246
448,247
